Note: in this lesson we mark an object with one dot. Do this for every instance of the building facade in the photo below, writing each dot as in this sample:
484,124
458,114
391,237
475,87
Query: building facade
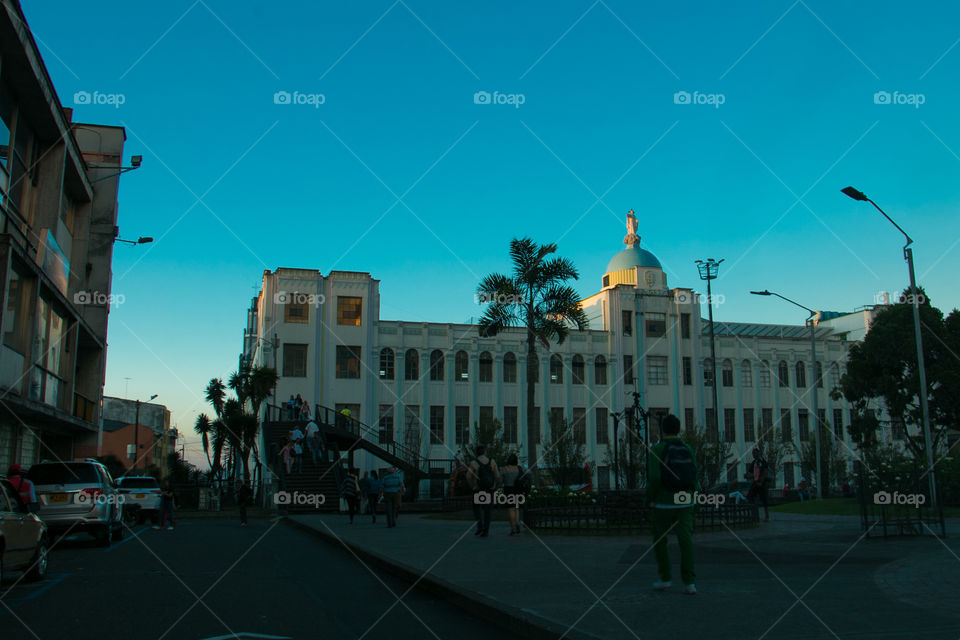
149,447
425,384
58,215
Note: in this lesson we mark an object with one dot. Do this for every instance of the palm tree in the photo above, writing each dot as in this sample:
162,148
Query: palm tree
202,428
535,296
263,381
216,395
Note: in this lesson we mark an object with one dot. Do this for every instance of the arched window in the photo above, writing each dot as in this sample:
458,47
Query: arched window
509,367
783,373
746,374
461,364
556,368
834,375
436,365
819,375
764,373
801,373
708,372
727,373
411,365
577,369
386,363
486,367
600,370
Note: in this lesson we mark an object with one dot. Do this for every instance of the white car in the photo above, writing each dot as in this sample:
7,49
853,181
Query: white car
141,497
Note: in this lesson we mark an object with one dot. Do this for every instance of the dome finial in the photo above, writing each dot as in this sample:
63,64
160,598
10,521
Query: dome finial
631,239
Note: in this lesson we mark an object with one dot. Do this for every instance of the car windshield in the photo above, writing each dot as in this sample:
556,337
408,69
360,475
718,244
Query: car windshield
138,483
63,473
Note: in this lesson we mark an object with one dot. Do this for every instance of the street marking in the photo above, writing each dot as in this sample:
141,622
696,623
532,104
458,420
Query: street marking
127,538
13,602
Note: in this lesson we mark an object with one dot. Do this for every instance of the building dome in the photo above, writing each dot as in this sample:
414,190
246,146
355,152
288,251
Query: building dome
633,257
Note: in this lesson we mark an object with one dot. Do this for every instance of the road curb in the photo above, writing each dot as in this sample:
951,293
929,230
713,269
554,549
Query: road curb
513,619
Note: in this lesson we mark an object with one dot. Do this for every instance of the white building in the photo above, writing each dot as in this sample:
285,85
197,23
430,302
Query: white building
425,384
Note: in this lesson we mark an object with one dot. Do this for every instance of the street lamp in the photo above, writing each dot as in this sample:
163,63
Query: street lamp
708,271
136,434
813,381
914,294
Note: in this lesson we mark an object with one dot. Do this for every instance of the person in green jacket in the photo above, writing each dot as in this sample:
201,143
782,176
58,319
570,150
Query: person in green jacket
671,485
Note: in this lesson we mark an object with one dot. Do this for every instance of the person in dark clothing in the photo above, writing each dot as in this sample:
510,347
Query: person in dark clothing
392,486
166,507
351,493
758,473
483,477
244,498
373,494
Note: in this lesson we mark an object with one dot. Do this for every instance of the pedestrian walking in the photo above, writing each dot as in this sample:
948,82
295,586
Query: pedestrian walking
297,436
305,411
350,490
286,455
510,476
373,494
313,441
290,407
671,487
483,477
244,498
297,406
167,501
392,487
758,473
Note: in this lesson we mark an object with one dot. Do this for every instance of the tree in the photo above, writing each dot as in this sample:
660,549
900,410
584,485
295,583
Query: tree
774,448
712,456
564,457
536,297
203,427
491,437
833,461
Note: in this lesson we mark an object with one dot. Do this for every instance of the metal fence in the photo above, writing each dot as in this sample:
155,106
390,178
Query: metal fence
895,501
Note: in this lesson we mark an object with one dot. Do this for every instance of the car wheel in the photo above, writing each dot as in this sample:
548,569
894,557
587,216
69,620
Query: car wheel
105,535
119,534
38,565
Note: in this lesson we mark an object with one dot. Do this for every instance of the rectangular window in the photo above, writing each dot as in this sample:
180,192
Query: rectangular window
294,360
711,422
602,426
349,310
727,376
746,374
707,373
348,361
411,424
556,418
462,425
685,326
486,368
386,423
510,425
296,309
785,427
656,324
580,425
821,418
838,424
687,371
436,424
749,426
766,424
730,425
657,370
628,369
688,422
626,318
485,417
803,425
131,451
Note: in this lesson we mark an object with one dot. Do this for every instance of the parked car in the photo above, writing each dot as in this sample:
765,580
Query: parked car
141,497
78,496
23,536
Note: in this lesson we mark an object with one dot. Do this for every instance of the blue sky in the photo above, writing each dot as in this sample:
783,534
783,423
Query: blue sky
401,173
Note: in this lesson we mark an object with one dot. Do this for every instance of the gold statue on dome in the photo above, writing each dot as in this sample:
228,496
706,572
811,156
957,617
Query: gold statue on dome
631,239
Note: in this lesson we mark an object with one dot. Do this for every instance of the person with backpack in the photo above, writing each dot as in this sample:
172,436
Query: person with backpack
671,487
392,486
373,494
512,488
759,474
350,490
483,477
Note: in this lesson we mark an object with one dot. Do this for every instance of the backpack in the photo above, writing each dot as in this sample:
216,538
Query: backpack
485,479
524,482
677,469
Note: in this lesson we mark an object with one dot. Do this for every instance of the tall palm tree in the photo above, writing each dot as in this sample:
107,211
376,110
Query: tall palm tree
203,428
216,394
263,381
535,296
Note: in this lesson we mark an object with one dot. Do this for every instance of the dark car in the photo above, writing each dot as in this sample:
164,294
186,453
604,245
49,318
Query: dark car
23,536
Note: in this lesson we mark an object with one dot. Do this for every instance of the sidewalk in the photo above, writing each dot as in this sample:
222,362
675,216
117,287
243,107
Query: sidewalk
750,581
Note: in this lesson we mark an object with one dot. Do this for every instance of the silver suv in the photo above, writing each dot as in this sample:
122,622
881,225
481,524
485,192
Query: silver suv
141,497
23,537
78,496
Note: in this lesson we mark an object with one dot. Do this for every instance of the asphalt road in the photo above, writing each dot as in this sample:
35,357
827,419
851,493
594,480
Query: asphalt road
212,579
